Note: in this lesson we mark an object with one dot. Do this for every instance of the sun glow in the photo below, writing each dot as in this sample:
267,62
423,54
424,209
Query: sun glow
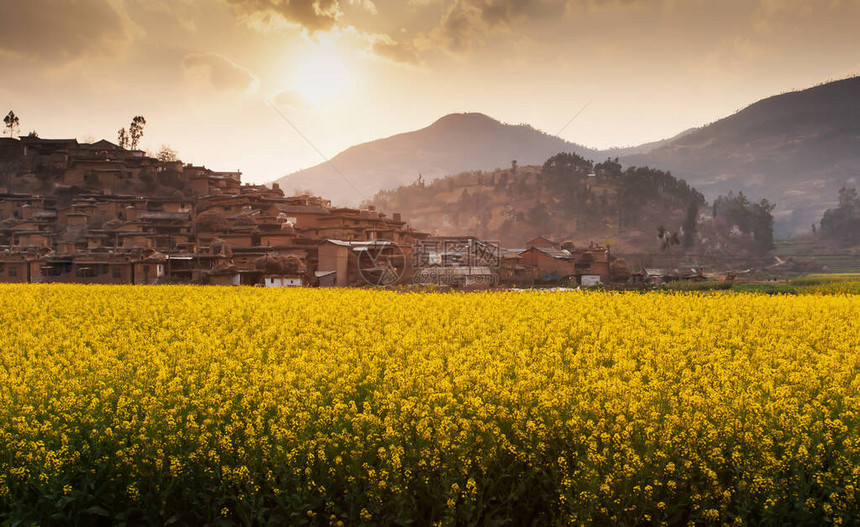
322,75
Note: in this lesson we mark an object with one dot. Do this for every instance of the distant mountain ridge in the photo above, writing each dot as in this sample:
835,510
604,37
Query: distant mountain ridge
796,149
453,144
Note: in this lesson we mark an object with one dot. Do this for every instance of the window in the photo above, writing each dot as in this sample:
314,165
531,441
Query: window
117,272
13,271
86,272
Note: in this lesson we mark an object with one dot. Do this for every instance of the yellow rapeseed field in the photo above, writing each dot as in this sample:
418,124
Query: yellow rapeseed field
192,405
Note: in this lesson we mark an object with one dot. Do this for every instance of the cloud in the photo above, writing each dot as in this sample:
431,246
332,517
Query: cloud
467,23
460,28
501,13
59,31
771,15
464,23
312,15
788,15
290,98
396,51
222,73
367,5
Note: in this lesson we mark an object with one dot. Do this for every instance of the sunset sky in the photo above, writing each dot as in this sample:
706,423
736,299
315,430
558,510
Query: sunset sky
217,80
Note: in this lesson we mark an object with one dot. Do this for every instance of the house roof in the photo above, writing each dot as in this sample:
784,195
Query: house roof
360,245
555,253
298,209
541,241
158,215
511,253
102,144
40,141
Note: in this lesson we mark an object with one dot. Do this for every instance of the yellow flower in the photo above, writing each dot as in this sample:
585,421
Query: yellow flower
613,401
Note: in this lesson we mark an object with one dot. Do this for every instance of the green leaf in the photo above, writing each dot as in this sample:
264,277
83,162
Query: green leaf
98,511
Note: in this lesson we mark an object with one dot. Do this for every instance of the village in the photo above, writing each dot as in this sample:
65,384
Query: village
102,214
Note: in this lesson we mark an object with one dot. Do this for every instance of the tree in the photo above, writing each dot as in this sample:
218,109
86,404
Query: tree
690,224
12,122
539,217
131,139
610,167
122,138
466,201
762,223
566,164
502,182
848,197
667,238
135,131
210,221
167,154
754,219
842,224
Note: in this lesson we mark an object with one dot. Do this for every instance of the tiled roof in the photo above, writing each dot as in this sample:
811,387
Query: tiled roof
307,209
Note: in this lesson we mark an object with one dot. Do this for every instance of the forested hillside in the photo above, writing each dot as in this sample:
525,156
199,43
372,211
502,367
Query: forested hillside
569,198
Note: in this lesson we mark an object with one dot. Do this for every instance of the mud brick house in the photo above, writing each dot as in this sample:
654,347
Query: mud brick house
511,270
14,268
339,261
89,269
149,269
205,182
24,206
287,270
97,213
291,280
552,263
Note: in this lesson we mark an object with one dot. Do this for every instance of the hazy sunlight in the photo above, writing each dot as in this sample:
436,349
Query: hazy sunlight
322,75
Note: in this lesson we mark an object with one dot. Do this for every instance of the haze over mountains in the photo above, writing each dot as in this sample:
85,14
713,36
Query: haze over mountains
796,149
453,144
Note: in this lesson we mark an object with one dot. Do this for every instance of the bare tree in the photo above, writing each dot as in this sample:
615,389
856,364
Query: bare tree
167,154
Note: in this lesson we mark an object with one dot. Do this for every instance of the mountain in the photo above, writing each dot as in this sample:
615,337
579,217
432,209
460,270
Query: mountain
795,149
644,148
453,144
